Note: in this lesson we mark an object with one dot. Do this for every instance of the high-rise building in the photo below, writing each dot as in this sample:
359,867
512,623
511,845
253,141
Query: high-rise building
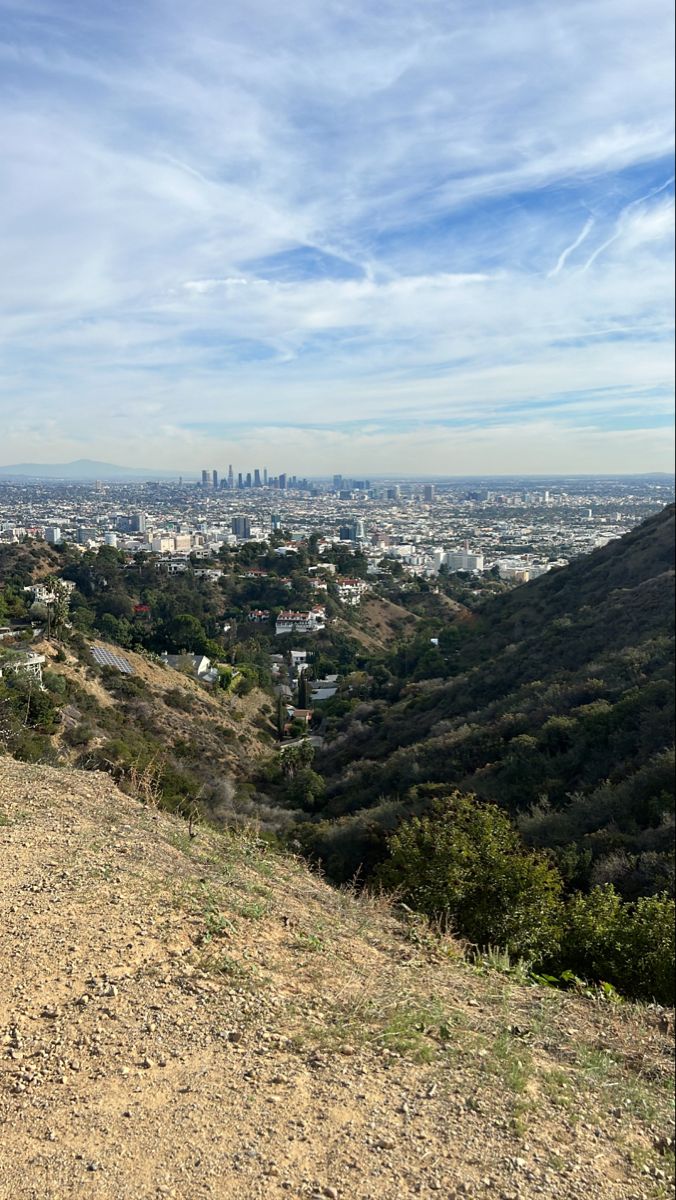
53,535
393,493
214,479
241,527
275,521
231,477
282,482
265,476
205,479
428,493
337,482
257,478
240,481
353,532
248,479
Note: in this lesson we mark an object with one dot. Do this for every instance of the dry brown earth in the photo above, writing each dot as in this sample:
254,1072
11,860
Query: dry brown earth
199,1017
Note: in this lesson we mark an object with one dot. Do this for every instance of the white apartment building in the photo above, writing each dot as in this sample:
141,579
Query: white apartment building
350,591
462,560
301,622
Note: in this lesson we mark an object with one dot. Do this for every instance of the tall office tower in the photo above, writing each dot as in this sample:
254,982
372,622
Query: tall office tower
428,493
353,532
265,476
241,527
248,479
276,521
240,481
138,523
282,482
214,478
394,493
231,477
257,478
205,479
337,482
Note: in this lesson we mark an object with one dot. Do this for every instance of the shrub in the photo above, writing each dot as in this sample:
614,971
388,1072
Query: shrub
55,683
630,945
79,735
465,865
176,698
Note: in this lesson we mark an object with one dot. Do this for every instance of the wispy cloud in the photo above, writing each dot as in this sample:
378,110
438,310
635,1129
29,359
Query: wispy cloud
565,254
352,213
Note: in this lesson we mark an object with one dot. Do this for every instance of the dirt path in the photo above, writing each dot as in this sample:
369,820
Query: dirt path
195,1018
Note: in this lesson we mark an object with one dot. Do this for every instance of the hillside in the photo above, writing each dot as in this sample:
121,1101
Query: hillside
157,730
199,1017
556,702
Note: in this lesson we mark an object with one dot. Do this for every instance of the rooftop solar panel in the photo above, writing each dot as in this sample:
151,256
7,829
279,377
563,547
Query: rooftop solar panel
105,658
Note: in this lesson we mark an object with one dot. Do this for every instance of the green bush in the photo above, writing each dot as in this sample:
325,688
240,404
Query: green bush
630,945
55,683
466,865
79,735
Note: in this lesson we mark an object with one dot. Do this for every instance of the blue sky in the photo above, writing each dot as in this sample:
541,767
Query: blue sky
337,237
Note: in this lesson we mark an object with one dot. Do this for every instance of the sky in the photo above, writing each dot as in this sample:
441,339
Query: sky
392,237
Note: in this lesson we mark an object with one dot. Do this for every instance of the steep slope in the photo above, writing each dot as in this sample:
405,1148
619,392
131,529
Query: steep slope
562,688
156,730
197,1017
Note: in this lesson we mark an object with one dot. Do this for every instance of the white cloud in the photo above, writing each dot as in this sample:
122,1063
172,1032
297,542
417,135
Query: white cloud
157,169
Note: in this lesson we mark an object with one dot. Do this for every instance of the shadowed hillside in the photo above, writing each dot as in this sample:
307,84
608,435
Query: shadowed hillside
559,708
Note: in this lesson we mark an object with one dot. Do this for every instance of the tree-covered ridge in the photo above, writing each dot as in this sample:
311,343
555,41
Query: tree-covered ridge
557,704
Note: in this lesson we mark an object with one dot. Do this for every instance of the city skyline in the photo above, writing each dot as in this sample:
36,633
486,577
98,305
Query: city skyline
347,241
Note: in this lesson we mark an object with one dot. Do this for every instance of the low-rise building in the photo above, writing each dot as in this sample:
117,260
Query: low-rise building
311,621
350,591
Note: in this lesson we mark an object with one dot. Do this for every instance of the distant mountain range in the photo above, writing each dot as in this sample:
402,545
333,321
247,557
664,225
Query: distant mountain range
85,468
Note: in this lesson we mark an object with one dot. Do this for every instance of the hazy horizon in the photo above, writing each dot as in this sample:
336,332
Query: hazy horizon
393,236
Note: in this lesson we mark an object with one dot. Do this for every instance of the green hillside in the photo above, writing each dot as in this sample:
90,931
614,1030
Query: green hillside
556,703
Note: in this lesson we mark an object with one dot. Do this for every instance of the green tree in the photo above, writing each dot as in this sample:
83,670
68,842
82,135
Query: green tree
303,690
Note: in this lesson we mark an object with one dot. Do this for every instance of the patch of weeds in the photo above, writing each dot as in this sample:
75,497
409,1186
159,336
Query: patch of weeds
597,1065
414,1032
511,1060
253,910
180,841
557,1086
225,965
310,942
259,889
496,959
4,819
521,1110
216,925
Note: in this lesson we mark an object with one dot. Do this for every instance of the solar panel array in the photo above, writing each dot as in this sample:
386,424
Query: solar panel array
105,658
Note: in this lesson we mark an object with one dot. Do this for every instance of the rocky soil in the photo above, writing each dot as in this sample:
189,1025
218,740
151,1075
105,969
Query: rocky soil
195,1017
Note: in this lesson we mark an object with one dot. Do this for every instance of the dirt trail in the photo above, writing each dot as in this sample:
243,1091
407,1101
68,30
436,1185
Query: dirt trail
195,1018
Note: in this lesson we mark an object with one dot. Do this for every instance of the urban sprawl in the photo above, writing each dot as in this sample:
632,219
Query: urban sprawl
517,529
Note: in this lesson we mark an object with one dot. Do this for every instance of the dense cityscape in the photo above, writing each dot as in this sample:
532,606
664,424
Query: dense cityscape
515,527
